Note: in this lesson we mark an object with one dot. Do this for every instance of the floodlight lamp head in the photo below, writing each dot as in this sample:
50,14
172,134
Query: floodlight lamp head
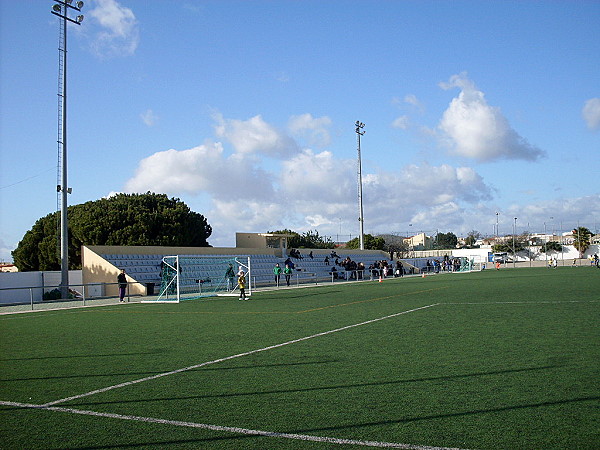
68,2
79,19
79,4
56,8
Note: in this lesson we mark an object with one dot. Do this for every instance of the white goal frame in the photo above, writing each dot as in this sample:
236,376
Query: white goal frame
187,277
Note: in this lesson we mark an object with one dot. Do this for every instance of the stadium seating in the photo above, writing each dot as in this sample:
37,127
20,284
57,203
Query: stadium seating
146,269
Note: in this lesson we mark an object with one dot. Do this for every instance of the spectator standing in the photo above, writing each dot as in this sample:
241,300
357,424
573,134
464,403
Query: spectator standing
230,275
122,280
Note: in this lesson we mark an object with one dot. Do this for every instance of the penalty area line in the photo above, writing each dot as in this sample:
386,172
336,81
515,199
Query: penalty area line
221,428
239,355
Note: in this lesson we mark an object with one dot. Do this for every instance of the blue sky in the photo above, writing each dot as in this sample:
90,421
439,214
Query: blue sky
246,109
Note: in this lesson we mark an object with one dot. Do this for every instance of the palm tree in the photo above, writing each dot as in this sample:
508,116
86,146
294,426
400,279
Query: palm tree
581,239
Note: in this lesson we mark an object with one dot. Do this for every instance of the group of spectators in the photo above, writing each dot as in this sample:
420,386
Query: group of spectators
294,253
384,269
446,265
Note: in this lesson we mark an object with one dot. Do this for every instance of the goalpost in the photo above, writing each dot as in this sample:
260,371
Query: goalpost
188,277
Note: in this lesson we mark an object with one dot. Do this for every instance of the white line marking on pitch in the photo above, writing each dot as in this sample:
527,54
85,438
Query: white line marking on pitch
196,366
542,302
301,437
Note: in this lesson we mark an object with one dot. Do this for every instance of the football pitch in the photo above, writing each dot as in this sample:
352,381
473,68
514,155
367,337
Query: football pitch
486,360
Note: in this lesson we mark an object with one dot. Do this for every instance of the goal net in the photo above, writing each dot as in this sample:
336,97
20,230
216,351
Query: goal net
471,264
188,277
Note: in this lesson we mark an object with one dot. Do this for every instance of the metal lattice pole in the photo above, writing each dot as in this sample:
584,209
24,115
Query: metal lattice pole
61,10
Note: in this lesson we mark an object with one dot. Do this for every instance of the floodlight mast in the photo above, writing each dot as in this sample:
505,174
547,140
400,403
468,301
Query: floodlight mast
359,132
61,10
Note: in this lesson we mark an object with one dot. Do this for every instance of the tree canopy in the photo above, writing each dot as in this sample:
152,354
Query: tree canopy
550,247
472,238
446,241
370,243
309,239
582,237
123,219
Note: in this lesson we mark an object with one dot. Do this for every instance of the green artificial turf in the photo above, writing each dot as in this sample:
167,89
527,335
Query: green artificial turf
489,360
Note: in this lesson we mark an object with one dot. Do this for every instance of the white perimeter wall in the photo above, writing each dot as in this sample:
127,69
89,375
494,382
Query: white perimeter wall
569,252
18,287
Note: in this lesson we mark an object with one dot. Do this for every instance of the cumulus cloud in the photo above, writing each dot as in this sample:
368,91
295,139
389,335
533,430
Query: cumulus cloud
254,136
149,118
318,178
474,129
316,130
202,169
119,33
230,184
591,113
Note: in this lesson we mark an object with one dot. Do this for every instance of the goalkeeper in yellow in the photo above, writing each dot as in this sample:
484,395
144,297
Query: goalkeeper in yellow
242,284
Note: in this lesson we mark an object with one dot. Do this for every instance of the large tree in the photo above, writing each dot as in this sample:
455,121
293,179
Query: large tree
446,241
123,219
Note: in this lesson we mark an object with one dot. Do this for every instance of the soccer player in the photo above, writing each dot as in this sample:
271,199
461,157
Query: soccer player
288,274
242,284
277,272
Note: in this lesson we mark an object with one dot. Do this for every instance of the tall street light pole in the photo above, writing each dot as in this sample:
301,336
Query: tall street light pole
514,247
497,226
61,9
359,132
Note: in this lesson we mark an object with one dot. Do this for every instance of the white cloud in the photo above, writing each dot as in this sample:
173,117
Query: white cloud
318,178
149,118
303,190
5,251
316,130
401,122
202,169
473,129
119,35
254,136
591,113
412,99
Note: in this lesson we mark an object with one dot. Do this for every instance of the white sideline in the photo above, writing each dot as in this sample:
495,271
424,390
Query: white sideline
302,437
196,366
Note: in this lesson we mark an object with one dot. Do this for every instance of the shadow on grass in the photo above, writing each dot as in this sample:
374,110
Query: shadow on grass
320,388
239,438
108,355
454,414
162,371
235,439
